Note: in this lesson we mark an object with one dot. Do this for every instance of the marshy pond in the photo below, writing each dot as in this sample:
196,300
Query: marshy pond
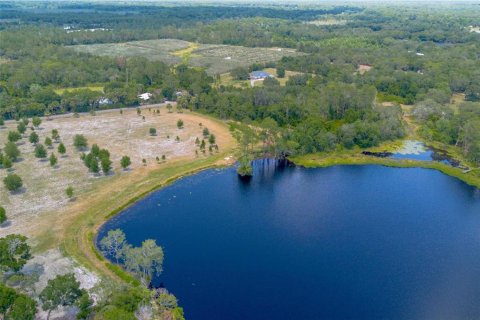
362,242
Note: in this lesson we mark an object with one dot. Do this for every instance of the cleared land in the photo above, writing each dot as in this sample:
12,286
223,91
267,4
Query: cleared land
43,198
227,80
216,59
72,89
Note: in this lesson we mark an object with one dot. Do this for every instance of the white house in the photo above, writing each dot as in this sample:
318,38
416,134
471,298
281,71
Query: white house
145,96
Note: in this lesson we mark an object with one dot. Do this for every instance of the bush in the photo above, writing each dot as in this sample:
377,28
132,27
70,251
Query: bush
14,136
125,162
69,192
33,137
180,124
11,151
3,215
80,142
36,121
40,151
153,131
12,182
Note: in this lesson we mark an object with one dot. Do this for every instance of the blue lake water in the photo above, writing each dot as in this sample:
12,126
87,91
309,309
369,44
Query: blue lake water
346,242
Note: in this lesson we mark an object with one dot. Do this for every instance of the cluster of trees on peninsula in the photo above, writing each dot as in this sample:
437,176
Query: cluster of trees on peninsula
65,290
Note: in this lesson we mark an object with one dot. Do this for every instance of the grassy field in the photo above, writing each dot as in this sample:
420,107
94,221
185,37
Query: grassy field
216,59
122,134
43,212
93,88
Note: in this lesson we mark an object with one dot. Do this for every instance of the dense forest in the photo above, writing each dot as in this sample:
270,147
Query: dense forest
417,56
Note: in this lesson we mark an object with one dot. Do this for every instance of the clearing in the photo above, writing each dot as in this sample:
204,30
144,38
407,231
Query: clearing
44,196
97,88
227,80
215,58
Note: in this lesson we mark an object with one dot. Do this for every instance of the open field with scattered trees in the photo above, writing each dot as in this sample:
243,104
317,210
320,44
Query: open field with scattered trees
122,133
214,58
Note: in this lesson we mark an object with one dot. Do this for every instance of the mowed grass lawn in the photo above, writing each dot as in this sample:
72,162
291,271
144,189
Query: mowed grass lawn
42,210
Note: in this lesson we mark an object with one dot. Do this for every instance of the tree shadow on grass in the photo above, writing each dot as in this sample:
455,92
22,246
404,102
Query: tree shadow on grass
19,191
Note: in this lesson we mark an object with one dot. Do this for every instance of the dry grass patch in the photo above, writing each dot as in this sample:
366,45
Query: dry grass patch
44,199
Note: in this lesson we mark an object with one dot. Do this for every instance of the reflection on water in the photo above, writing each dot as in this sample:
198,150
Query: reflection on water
416,150
346,242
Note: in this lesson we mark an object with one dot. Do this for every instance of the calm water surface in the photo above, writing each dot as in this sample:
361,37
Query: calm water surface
362,242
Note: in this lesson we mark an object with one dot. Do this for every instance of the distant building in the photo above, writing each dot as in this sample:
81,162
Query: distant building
145,96
103,101
260,75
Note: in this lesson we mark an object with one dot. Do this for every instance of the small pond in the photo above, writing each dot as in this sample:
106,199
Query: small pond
345,242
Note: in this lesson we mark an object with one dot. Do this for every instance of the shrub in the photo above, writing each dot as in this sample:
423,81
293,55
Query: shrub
40,151
14,136
33,137
180,124
13,182
79,141
153,131
3,215
11,151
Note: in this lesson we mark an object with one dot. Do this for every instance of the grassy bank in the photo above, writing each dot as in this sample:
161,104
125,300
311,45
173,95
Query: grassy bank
356,158
78,241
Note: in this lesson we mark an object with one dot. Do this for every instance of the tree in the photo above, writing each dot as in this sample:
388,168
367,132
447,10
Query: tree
53,159
281,72
11,151
206,132
125,162
6,162
180,124
48,142
145,261
40,151
80,142
240,73
211,139
94,166
15,306
113,243
153,131
60,292
21,127
33,137
23,307
12,182
36,121
3,215
95,150
61,149
106,164
69,192
84,305
55,135
14,136
14,252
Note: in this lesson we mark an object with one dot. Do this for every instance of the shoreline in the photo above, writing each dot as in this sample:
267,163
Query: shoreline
336,159
307,161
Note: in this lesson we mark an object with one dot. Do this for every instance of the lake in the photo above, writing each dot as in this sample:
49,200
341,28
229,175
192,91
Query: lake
363,242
